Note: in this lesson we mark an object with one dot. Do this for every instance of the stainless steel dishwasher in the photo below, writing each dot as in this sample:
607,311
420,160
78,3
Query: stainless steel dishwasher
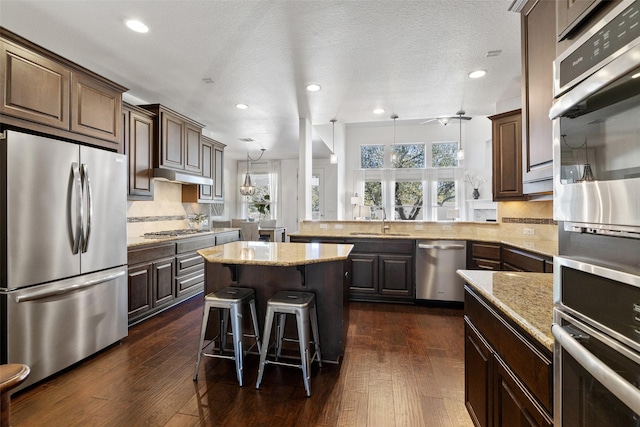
436,265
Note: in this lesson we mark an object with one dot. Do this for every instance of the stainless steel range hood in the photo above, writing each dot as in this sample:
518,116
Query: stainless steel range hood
180,177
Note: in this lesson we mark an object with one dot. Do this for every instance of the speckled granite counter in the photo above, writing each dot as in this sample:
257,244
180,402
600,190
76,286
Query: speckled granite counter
525,298
275,254
141,240
542,247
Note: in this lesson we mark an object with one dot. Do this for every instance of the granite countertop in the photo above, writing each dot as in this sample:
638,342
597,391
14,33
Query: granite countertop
525,298
141,240
275,254
542,247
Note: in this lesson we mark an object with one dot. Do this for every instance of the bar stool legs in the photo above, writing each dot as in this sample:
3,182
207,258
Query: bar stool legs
229,302
303,306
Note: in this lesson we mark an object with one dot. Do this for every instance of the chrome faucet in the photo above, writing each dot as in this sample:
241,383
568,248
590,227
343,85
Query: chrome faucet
385,227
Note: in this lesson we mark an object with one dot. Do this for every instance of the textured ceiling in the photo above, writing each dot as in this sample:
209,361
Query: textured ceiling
409,57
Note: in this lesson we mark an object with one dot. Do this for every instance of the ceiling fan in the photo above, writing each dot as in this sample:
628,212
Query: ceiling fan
445,120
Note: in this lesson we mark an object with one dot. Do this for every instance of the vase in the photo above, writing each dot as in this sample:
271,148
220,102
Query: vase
475,193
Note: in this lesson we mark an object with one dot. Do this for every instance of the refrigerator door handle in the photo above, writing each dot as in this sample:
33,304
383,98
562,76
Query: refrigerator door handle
77,183
87,183
68,289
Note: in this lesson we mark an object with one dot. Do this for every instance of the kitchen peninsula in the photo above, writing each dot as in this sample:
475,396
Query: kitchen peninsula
271,267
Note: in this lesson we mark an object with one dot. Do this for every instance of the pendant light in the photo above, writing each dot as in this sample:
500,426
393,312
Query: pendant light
394,155
460,153
247,188
334,158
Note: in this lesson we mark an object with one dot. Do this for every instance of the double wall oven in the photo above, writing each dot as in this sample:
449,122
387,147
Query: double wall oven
596,125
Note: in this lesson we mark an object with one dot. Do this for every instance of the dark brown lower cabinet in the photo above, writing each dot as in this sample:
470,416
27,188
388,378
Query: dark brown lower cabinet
163,288
139,289
478,361
164,274
508,374
150,287
364,273
514,405
382,270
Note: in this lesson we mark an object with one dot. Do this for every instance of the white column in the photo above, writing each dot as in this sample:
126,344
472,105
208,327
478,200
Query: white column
305,166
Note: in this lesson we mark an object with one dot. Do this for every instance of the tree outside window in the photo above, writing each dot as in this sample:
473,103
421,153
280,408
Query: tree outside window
408,200
371,156
408,156
444,154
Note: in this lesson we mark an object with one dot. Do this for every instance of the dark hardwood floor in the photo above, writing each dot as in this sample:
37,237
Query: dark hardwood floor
403,366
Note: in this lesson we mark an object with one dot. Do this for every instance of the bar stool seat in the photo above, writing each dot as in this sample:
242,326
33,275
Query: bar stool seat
11,376
303,306
229,302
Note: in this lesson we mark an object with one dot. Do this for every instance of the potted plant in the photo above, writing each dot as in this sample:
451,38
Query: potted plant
199,218
263,206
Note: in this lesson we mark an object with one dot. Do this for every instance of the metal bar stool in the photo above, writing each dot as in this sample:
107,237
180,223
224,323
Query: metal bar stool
229,301
303,306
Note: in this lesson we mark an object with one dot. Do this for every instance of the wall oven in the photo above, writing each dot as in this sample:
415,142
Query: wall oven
596,127
597,345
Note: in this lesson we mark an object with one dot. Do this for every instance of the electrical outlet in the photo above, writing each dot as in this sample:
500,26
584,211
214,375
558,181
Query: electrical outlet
339,226
446,228
323,226
529,231
419,227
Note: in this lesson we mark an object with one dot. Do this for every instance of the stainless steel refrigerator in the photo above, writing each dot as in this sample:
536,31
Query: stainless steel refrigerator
63,255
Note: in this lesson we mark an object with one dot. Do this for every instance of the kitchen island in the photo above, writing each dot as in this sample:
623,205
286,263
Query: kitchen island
270,267
508,347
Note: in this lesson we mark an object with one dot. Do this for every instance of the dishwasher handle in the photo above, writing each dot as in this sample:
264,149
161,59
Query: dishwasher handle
443,247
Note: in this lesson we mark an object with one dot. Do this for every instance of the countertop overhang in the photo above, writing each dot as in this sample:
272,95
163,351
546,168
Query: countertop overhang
275,254
525,298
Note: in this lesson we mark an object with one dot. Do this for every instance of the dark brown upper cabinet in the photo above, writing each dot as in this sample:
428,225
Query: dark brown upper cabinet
178,140
538,53
138,143
45,93
212,167
507,156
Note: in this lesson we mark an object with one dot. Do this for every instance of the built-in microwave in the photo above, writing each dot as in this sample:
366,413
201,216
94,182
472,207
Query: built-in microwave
596,127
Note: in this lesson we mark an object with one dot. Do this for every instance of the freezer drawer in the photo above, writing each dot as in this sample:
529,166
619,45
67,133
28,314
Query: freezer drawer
50,327
436,265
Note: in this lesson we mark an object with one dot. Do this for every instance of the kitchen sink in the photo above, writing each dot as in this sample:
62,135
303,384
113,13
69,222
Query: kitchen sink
364,233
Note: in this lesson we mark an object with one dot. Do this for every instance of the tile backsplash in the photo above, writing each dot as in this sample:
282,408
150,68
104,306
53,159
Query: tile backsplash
165,212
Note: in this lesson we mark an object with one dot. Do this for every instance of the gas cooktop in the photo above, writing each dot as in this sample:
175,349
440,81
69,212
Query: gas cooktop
173,233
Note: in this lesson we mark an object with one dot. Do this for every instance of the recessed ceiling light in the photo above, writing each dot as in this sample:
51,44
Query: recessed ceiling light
242,106
378,111
313,87
477,74
137,26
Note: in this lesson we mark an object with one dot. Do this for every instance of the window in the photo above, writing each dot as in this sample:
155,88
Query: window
408,156
371,156
264,202
418,181
408,200
444,154
259,205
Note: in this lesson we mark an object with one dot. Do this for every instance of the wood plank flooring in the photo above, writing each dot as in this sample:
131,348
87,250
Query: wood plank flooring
403,366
